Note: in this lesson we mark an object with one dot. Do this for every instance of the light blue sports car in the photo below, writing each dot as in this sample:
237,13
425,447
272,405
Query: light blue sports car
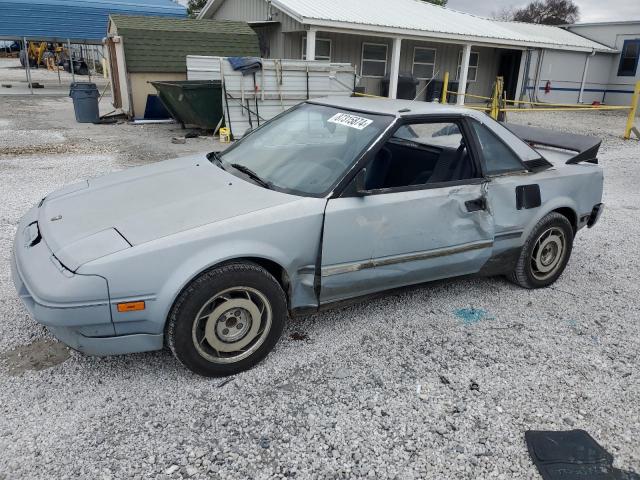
333,200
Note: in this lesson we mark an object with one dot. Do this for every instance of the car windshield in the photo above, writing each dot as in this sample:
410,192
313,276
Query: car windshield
307,149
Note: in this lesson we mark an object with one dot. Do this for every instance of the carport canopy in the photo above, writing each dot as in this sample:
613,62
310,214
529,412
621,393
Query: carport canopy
75,21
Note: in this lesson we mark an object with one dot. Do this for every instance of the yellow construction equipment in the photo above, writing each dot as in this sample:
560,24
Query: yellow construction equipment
44,54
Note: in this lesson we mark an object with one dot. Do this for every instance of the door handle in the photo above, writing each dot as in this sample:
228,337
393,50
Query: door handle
476,205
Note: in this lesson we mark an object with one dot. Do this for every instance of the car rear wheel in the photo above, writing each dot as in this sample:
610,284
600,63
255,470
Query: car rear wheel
227,320
545,253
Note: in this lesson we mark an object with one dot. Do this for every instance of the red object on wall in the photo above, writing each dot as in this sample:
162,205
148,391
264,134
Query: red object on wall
547,87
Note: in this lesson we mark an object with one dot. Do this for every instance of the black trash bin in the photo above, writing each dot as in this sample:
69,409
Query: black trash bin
85,102
434,91
407,84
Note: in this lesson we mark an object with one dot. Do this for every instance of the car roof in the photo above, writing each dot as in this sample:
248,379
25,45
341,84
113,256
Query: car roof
397,108
409,109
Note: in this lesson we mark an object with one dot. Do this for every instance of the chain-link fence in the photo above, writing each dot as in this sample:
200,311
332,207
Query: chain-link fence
32,66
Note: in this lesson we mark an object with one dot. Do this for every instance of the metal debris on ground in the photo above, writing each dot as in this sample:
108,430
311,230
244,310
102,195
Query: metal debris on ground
572,454
299,336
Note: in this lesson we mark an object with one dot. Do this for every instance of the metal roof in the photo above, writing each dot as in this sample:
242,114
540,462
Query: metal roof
603,24
160,44
416,18
78,20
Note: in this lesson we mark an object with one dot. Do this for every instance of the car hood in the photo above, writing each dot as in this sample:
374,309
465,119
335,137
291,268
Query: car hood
94,218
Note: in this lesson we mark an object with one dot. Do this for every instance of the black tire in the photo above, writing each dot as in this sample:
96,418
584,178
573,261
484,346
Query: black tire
183,326
525,273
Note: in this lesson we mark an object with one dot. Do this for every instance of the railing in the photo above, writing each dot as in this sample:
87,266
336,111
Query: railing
497,105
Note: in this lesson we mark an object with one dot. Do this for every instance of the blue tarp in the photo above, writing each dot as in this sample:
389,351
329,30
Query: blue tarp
246,65
78,20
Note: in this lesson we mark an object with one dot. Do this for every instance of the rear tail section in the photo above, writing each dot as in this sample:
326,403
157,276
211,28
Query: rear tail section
585,148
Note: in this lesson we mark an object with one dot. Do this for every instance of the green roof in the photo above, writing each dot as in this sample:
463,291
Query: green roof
157,44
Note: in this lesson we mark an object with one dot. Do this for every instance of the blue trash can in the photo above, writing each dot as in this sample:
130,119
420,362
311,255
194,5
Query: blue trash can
85,102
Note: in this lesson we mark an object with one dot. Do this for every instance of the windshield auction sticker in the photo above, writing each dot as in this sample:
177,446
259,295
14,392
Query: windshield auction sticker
353,121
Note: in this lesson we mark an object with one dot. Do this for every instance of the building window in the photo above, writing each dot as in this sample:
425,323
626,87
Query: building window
474,59
629,58
323,49
374,60
424,63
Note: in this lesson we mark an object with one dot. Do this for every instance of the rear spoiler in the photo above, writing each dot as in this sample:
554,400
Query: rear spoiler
586,148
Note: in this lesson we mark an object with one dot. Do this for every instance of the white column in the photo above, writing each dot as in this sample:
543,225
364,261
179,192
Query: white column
464,72
584,76
395,67
311,44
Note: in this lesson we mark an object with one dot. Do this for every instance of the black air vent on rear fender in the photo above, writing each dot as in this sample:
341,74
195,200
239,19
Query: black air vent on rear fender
537,164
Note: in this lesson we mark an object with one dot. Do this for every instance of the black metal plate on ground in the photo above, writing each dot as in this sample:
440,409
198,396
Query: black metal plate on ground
572,455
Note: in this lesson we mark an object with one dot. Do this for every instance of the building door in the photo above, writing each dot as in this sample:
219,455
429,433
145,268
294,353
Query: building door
509,68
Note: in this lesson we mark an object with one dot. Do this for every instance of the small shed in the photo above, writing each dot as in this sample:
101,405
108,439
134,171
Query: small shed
145,49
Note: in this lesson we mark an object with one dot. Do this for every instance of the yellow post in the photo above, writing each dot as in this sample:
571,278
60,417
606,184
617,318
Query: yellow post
632,114
445,87
495,98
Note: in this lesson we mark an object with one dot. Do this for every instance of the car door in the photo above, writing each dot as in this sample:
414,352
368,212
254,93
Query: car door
396,235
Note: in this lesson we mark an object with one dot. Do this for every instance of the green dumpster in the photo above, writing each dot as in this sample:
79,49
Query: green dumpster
193,102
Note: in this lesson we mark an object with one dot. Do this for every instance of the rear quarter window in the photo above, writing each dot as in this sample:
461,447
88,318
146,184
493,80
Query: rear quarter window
498,157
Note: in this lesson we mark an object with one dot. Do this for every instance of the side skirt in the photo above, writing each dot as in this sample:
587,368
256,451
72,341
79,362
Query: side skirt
500,264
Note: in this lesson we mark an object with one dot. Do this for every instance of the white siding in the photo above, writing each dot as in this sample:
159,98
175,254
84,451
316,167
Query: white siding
607,33
247,10
618,89
564,71
272,37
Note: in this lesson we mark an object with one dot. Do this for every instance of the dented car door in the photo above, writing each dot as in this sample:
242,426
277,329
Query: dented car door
389,240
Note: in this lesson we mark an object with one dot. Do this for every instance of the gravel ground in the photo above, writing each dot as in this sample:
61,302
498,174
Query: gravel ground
413,385
13,80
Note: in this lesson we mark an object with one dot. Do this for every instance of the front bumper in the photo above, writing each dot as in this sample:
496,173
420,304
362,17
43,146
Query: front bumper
74,307
103,346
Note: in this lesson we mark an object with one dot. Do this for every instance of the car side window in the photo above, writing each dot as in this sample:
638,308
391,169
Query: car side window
421,153
498,158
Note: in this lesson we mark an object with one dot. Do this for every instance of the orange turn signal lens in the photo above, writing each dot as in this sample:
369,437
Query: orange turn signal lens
130,307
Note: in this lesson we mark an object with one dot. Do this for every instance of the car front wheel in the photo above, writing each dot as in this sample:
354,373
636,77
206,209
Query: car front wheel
545,254
227,319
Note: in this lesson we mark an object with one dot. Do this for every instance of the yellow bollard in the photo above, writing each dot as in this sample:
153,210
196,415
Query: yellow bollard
632,114
495,98
445,87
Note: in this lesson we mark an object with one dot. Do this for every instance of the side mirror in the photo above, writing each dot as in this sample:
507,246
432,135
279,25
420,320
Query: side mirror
361,182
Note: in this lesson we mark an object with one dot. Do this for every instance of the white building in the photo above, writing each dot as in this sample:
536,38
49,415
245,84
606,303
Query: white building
385,40
607,78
